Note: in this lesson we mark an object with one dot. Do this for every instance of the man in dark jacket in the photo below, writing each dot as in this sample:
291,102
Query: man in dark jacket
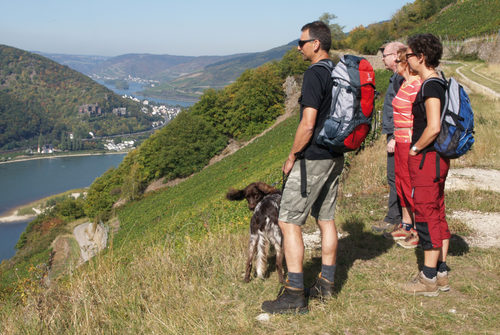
389,56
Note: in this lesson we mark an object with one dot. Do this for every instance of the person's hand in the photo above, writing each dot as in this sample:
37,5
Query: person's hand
288,165
412,153
391,145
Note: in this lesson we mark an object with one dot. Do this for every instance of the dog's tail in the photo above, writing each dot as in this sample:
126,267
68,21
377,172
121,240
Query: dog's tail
233,194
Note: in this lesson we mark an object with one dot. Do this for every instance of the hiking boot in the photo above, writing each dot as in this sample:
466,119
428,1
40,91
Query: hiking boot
399,233
442,281
411,241
421,285
322,289
382,227
289,300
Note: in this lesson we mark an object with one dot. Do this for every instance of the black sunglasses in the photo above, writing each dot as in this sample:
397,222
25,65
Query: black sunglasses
303,42
411,54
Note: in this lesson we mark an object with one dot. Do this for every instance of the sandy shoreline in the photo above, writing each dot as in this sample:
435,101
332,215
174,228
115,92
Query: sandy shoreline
12,214
59,156
14,217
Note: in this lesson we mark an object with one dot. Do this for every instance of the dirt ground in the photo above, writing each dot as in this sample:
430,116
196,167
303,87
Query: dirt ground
484,225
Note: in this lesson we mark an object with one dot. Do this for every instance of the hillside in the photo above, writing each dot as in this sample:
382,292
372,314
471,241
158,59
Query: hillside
40,100
181,253
464,19
450,19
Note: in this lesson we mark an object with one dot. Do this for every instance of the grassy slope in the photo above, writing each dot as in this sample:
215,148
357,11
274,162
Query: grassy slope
176,264
464,19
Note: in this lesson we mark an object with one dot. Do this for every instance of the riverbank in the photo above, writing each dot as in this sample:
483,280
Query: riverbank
24,158
19,213
13,216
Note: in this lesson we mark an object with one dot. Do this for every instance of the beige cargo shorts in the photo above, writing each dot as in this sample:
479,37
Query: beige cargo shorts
322,184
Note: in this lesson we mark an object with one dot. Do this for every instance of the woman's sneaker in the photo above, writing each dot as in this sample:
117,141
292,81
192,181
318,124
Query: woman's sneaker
399,233
411,241
443,283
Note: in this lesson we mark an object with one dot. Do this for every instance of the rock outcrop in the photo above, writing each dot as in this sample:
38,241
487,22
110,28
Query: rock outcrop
91,238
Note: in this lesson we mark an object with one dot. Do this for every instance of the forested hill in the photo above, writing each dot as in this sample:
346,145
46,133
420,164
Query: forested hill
40,100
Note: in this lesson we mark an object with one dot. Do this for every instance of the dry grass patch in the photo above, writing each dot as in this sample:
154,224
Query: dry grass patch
198,289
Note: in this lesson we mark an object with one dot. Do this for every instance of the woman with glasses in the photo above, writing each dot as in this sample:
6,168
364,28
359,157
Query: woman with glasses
428,170
405,234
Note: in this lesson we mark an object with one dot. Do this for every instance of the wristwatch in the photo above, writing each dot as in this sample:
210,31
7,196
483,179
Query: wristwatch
414,149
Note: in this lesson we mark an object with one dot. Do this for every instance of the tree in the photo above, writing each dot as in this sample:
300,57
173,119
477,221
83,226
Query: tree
337,30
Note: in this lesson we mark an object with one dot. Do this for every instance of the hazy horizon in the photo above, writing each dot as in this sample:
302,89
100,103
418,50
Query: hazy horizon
191,28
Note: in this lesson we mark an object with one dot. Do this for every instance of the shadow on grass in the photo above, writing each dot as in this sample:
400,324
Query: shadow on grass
358,244
458,247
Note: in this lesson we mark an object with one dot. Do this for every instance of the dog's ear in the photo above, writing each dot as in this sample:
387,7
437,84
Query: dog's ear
233,194
264,188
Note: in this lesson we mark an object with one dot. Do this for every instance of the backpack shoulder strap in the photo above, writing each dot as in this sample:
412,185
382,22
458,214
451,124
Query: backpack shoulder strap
326,63
445,86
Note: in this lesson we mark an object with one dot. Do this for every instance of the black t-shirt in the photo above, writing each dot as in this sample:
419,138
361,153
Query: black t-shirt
317,93
431,89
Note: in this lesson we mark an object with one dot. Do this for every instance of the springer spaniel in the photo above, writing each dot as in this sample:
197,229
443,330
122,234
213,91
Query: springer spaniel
264,201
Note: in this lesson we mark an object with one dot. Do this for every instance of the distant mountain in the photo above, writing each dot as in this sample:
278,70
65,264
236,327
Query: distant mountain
180,77
145,66
40,100
162,68
81,63
218,74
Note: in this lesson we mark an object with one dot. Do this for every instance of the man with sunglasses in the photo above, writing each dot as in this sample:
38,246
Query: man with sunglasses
313,177
389,56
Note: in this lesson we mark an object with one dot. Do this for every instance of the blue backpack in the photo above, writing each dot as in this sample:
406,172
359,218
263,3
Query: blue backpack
457,121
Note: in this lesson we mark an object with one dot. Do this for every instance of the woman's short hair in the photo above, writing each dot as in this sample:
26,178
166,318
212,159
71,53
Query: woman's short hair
321,32
427,45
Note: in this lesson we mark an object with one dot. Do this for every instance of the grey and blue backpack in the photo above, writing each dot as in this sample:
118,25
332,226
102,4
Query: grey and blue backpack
353,96
457,121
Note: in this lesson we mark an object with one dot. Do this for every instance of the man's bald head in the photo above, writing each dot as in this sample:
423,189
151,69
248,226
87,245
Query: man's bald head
389,54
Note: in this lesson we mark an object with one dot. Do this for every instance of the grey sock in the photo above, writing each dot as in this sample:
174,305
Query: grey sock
441,266
429,272
328,272
296,280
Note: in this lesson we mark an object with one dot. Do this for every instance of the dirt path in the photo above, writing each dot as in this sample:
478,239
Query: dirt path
485,226
476,86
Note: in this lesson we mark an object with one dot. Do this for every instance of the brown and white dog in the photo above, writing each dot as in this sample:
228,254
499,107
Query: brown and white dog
264,201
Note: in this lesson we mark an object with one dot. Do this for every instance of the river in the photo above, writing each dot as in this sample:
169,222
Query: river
27,181
134,88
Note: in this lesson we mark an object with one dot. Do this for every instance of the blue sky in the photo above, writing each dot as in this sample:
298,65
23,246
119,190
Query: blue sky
184,27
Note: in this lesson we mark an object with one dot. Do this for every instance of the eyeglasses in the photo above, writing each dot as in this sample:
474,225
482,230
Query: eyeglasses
386,55
397,61
411,54
303,42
